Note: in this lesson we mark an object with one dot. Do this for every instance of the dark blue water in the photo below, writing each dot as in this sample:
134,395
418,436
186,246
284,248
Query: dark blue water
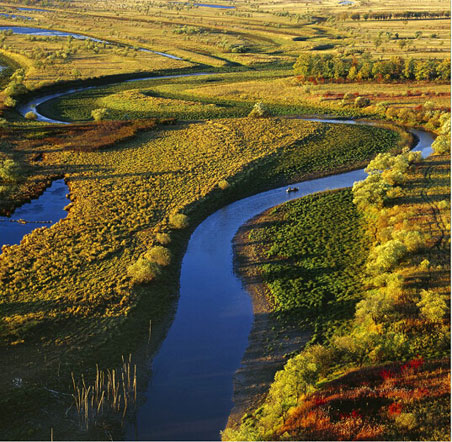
48,207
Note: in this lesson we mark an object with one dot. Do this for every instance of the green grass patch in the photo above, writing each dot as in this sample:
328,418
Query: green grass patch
313,255
178,98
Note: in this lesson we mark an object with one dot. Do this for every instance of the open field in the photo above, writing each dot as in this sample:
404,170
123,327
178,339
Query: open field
312,253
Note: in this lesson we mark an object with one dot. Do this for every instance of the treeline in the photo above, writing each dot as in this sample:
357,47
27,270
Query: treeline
406,15
335,67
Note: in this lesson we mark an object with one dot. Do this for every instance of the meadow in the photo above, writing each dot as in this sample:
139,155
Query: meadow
312,254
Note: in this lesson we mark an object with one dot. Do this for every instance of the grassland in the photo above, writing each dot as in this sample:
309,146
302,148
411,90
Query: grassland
312,254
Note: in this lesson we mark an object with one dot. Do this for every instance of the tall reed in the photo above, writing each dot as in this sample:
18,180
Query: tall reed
114,392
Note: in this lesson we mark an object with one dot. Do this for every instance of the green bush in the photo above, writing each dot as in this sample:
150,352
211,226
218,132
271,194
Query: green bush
179,221
9,102
432,306
223,184
385,256
143,271
362,102
9,170
159,254
441,145
259,111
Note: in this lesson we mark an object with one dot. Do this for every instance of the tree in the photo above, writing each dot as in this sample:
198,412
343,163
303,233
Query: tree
143,271
179,221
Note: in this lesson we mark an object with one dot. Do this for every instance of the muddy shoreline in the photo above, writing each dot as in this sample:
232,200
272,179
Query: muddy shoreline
269,342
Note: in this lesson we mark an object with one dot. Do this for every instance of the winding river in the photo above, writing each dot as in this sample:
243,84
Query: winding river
189,395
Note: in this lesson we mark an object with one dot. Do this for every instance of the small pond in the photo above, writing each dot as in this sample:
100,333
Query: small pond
40,212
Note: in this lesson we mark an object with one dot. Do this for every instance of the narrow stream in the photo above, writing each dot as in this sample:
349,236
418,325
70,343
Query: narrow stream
189,395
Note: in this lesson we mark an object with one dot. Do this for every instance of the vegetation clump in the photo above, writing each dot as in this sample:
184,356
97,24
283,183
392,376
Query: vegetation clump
163,238
31,115
143,271
179,221
159,254
259,111
9,170
99,114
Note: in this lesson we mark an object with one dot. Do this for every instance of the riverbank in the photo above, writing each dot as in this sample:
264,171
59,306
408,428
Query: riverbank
269,343
426,335
292,259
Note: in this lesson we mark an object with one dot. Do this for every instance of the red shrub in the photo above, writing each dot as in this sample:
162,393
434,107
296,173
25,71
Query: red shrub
395,409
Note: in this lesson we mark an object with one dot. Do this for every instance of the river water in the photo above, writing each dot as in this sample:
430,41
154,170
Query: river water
189,394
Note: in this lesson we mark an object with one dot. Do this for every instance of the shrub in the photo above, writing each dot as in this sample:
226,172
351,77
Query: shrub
31,116
159,254
432,306
441,145
163,238
99,114
385,256
9,170
370,192
362,102
407,420
9,102
223,184
179,221
259,111
143,271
